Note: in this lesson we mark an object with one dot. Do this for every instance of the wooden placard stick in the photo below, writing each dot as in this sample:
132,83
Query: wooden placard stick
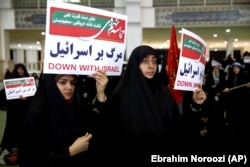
236,87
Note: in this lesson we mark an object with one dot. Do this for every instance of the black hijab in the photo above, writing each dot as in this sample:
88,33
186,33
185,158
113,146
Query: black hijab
52,124
59,120
145,107
14,73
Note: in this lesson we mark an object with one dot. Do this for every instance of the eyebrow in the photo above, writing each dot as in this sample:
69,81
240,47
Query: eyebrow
67,79
152,56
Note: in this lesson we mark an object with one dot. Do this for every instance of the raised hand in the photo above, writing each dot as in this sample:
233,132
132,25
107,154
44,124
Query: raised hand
101,83
199,96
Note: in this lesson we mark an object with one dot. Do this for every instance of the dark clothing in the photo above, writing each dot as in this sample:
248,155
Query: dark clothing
216,104
14,74
7,74
144,114
89,86
240,136
3,100
214,99
16,112
235,98
112,83
196,129
163,74
52,125
193,120
244,125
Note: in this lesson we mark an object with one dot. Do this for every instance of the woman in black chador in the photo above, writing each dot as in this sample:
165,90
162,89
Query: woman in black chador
16,112
59,129
215,84
144,112
235,97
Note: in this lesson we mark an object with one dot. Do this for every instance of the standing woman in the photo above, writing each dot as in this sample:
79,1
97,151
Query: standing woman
215,84
236,77
58,130
16,112
144,114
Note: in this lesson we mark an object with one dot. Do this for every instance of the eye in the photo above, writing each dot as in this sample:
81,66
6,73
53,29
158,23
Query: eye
145,61
73,82
62,82
154,61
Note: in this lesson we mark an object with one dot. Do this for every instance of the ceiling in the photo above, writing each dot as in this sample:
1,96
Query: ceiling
155,37
27,39
158,37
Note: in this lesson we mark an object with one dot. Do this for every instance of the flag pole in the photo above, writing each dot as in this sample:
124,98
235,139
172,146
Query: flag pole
236,87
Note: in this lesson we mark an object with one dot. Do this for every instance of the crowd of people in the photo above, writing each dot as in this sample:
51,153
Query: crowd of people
77,120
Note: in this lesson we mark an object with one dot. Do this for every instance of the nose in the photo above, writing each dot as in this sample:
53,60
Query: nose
151,64
69,85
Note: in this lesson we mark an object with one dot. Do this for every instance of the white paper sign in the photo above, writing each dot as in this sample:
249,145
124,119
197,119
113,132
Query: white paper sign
81,40
191,67
14,88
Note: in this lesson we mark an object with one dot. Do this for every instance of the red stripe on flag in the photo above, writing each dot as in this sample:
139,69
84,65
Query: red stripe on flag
172,65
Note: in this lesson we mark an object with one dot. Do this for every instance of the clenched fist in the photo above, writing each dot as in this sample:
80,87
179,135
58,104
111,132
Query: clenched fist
80,144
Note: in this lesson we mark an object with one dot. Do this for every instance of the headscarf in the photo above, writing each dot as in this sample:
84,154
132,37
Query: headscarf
14,73
145,108
49,93
60,119
236,79
236,64
52,124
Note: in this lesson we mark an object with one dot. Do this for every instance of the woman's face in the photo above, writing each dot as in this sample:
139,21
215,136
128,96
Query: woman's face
148,66
216,70
66,85
20,71
236,69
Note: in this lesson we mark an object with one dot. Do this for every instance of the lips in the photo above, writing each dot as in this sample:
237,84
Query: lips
68,94
150,73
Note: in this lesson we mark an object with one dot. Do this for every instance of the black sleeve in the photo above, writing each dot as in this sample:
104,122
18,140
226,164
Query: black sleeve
101,106
57,155
3,99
